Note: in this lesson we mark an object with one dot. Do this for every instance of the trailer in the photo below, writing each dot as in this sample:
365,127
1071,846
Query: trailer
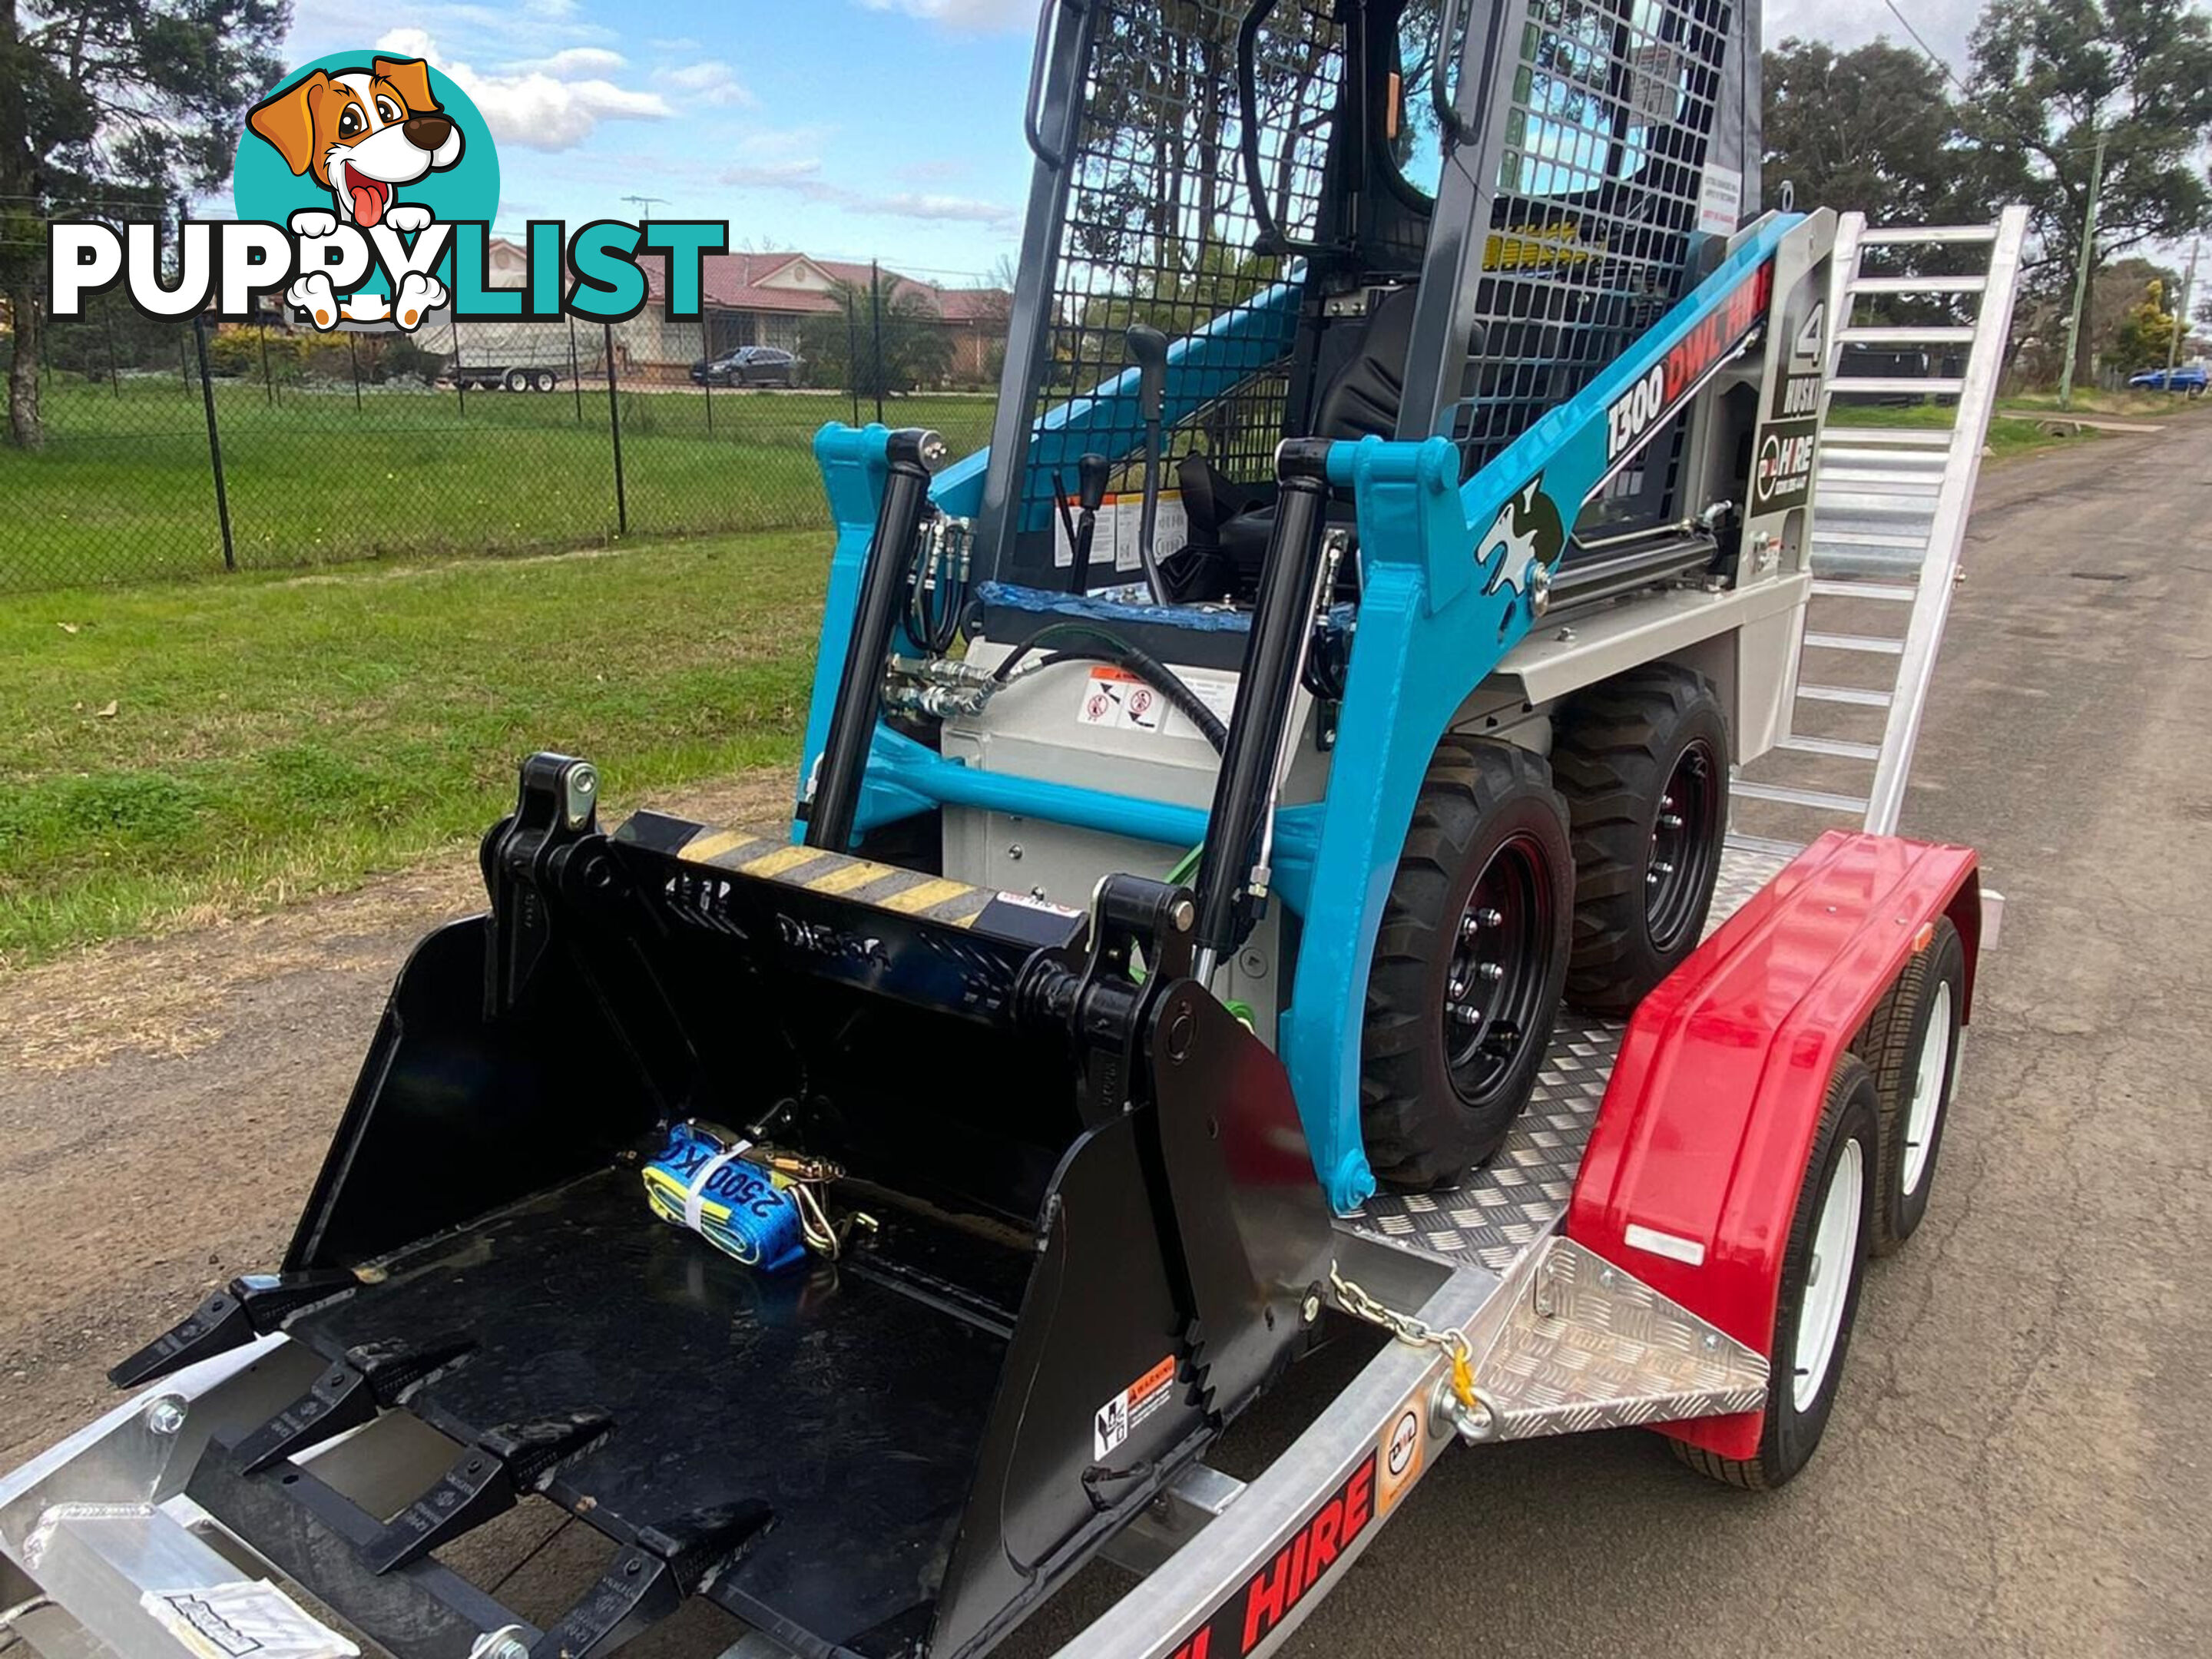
509,356
1312,904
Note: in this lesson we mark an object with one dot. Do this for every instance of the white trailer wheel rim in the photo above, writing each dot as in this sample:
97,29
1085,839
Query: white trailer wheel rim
1835,1243
1927,1104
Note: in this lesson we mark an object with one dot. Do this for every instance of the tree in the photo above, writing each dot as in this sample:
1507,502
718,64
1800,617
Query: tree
1872,129
2143,331
839,346
112,109
2051,77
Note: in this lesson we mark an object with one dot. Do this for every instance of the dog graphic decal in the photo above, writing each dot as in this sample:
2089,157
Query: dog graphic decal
1527,535
360,134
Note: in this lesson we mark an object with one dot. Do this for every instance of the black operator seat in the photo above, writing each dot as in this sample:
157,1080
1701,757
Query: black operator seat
1230,523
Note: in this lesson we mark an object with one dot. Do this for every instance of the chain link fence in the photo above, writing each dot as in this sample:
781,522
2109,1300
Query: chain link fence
182,448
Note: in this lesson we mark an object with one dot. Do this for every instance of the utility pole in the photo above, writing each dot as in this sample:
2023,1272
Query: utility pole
2180,320
645,204
2081,276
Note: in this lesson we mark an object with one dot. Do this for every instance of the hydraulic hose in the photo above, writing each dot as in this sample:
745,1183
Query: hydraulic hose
1111,648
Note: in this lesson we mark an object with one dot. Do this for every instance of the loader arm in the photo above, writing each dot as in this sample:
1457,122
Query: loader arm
1453,576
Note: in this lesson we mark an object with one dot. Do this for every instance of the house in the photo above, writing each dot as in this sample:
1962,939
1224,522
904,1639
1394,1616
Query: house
765,299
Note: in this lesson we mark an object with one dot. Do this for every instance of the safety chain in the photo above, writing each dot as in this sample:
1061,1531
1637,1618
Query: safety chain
1475,1417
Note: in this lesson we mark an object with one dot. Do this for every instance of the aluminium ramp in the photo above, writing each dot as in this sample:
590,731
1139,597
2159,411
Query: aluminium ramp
1918,320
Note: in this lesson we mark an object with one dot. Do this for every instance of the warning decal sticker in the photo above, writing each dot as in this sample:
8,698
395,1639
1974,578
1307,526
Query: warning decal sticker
1119,1417
1115,697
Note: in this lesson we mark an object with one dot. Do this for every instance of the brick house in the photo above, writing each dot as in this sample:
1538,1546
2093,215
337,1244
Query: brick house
765,299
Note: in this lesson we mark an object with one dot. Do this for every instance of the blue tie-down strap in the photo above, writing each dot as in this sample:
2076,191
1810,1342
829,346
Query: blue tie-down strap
698,1179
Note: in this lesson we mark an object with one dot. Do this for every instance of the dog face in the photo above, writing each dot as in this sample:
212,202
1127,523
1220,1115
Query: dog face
361,133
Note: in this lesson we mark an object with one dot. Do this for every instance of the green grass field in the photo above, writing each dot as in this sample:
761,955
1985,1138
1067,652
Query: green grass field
123,491
209,748
2009,434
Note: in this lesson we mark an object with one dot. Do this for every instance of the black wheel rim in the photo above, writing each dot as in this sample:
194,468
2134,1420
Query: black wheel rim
1683,846
1495,980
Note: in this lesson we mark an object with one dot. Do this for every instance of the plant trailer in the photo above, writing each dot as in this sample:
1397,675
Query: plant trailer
1271,868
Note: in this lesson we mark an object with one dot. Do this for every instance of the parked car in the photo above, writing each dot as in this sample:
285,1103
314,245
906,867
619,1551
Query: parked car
752,365
2189,377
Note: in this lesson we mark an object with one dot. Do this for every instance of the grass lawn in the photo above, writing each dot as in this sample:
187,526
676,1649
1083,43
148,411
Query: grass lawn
2009,434
124,491
201,748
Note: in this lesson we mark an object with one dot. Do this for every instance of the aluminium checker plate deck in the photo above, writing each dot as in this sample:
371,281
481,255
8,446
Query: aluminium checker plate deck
1502,1211
1570,1341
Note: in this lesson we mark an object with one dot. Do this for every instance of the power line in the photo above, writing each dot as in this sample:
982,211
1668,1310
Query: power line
1926,49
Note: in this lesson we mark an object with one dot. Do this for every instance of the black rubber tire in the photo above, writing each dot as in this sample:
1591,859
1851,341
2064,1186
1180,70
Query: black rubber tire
1616,747
1890,1044
516,380
1789,1436
543,381
1479,798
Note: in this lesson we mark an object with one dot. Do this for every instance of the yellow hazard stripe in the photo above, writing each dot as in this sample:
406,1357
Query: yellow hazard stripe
927,896
844,879
784,858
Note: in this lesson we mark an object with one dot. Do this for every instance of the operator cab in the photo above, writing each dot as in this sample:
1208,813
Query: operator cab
1286,201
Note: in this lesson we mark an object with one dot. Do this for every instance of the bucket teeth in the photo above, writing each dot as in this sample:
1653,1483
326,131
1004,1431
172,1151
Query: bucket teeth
348,1394
230,1318
483,1481
648,1582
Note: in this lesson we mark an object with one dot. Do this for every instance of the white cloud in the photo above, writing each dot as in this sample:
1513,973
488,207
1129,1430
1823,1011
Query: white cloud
974,17
803,177
535,108
573,60
711,81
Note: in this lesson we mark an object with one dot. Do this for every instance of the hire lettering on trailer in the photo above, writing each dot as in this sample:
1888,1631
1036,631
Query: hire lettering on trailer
1637,412
1265,1601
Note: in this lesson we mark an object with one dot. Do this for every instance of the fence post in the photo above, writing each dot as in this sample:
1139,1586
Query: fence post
575,375
214,444
268,386
460,380
114,372
706,380
875,316
614,426
852,355
354,357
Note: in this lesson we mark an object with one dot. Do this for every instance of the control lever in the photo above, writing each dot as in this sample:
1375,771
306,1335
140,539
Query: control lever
1148,349
1091,470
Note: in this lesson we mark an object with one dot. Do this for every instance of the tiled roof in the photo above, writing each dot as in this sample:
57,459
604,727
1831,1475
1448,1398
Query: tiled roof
735,282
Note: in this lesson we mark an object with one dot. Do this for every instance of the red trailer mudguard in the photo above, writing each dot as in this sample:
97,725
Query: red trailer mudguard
1695,1161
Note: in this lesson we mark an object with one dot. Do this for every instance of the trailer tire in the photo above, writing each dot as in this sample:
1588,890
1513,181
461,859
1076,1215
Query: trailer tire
1631,754
516,380
1910,1042
543,381
1443,1074
1813,1313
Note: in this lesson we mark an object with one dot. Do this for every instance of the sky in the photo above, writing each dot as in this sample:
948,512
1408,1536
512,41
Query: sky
852,128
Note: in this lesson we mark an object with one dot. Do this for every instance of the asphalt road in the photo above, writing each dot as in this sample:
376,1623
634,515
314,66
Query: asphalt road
2019,1462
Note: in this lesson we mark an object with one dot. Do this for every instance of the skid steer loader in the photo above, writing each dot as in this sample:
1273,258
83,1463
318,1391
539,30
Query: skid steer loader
1393,532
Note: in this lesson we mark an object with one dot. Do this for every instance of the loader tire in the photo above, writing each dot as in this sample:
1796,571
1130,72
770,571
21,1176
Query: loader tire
1910,1042
1468,963
1642,761
1823,1265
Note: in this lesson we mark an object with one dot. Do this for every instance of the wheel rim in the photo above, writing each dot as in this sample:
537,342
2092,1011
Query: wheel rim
1928,1079
1835,1242
1680,868
1494,982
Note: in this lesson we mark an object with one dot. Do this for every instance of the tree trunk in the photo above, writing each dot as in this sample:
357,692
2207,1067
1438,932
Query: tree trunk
25,430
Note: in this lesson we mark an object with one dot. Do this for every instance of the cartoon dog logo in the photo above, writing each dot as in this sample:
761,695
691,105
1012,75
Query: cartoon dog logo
1527,535
360,134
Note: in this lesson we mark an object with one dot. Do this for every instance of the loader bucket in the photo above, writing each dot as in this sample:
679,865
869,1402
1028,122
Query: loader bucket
1095,1222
